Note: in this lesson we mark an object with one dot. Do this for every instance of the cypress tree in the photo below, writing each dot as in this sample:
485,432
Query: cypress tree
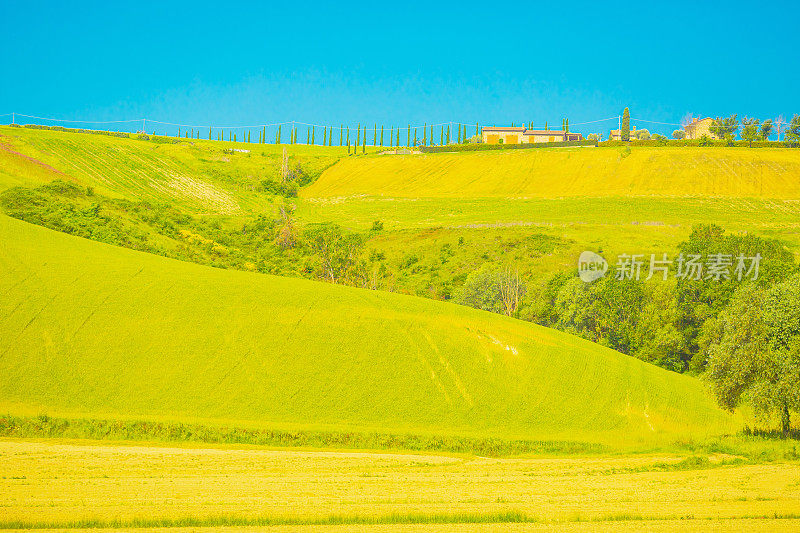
358,137
459,134
278,136
448,134
264,135
431,137
408,143
397,144
234,137
348,140
381,134
179,131
441,136
341,133
364,142
625,132
375,135
415,136
424,134
391,137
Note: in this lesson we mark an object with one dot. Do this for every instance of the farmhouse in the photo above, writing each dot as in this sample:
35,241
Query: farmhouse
522,135
615,135
699,127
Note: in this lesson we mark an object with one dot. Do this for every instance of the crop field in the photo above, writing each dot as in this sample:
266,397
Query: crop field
570,172
67,485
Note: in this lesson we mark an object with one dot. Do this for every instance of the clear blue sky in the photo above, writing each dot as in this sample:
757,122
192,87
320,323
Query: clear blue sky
226,63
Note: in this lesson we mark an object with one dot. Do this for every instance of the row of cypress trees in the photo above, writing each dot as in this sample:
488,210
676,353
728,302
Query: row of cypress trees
460,135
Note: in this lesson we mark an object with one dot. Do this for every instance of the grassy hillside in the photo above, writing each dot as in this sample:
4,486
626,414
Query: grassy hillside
87,328
554,173
199,175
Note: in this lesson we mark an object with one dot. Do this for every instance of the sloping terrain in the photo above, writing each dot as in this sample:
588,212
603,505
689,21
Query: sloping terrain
91,329
555,173
199,175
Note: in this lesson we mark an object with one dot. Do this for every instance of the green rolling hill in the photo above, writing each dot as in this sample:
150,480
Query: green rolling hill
88,329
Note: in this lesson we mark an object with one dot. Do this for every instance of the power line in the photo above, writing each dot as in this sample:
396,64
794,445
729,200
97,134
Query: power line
77,121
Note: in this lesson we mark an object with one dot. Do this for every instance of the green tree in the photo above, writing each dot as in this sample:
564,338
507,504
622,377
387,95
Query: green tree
338,252
725,127
408,140
381,134
679,134
766,130
755,354
792,135
499,290
625,132
750,129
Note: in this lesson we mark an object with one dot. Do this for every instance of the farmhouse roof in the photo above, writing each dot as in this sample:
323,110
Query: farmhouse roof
503,128
544,132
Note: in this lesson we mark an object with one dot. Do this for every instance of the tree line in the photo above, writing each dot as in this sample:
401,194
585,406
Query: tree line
383,136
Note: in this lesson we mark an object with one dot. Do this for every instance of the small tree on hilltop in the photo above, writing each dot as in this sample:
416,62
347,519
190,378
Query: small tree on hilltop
625,131
725,128
792,135
766,130
750,129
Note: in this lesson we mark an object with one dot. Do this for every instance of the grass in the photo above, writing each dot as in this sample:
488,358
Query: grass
198,175
91,329
72,485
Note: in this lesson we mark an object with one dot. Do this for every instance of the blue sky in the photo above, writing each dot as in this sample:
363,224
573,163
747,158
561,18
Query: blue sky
227,63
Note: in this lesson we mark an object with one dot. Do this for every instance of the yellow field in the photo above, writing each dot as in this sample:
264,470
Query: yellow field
554,173
55,483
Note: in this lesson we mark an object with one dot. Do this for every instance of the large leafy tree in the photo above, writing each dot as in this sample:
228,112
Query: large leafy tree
701,301
755,355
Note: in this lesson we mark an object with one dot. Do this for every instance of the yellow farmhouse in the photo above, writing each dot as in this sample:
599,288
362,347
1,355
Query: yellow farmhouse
699,127
521,135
